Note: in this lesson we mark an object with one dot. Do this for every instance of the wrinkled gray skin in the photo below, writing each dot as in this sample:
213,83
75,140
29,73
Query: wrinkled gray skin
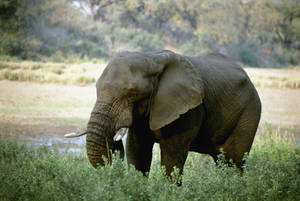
198,104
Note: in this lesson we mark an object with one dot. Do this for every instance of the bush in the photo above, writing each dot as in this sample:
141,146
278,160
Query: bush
146,42
272,172
287,57
202,43
246,53
248,56
135,40
12,44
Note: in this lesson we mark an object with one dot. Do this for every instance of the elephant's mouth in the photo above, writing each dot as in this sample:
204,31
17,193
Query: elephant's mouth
118,136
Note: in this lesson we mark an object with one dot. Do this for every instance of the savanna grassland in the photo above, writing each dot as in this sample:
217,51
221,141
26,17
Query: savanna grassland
51,99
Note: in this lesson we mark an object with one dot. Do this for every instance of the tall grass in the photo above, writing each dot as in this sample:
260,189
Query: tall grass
272,172
275,78
62,73
87,73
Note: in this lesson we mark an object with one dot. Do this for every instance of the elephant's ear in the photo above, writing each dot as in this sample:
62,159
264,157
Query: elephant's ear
179,89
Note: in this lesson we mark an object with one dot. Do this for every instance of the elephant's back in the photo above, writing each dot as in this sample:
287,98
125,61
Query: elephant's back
218,68
221,74
227,89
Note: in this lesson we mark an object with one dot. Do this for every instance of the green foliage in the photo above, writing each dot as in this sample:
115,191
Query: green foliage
199,45
8,18
12,44
55,30
272,172
248,57
146,41
8,7
247,54
274,165
287,23
140,41
286,57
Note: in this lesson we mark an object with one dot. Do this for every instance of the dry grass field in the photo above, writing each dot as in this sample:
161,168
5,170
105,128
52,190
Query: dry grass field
275,78
80,74
35,109
87,73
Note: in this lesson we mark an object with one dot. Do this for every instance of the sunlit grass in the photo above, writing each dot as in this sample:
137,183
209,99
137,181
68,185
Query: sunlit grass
88,73
272,172
85,73
275,78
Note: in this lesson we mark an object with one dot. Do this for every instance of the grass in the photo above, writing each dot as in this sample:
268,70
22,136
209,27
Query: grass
62,73
47,111
88,73
275,78
272,172
29,102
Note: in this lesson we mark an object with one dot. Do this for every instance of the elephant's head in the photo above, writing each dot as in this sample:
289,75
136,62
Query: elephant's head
163,82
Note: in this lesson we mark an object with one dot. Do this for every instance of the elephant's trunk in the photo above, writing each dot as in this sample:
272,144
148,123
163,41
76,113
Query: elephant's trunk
99,139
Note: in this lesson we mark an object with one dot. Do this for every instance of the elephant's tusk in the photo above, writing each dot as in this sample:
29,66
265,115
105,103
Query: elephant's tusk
120,134
72,135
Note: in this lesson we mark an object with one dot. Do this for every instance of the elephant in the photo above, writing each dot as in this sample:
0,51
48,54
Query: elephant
202,104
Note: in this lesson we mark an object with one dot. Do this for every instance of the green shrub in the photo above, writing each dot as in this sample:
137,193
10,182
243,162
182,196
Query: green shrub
248,56
137,40
246,53
202,43
12,44
272,172
286,57
146,42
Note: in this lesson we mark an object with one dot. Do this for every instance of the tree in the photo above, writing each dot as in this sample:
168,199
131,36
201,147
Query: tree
8,15
95,8
287,23
189,11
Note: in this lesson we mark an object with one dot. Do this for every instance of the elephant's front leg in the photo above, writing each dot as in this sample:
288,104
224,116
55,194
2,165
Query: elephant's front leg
139,146
174,150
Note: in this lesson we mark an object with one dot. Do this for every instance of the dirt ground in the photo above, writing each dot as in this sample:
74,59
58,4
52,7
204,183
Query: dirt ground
39,110
33,109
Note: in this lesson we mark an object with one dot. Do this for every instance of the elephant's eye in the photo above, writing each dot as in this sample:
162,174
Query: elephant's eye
133,94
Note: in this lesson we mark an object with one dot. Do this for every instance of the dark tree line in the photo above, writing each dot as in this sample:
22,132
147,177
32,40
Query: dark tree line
255,32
